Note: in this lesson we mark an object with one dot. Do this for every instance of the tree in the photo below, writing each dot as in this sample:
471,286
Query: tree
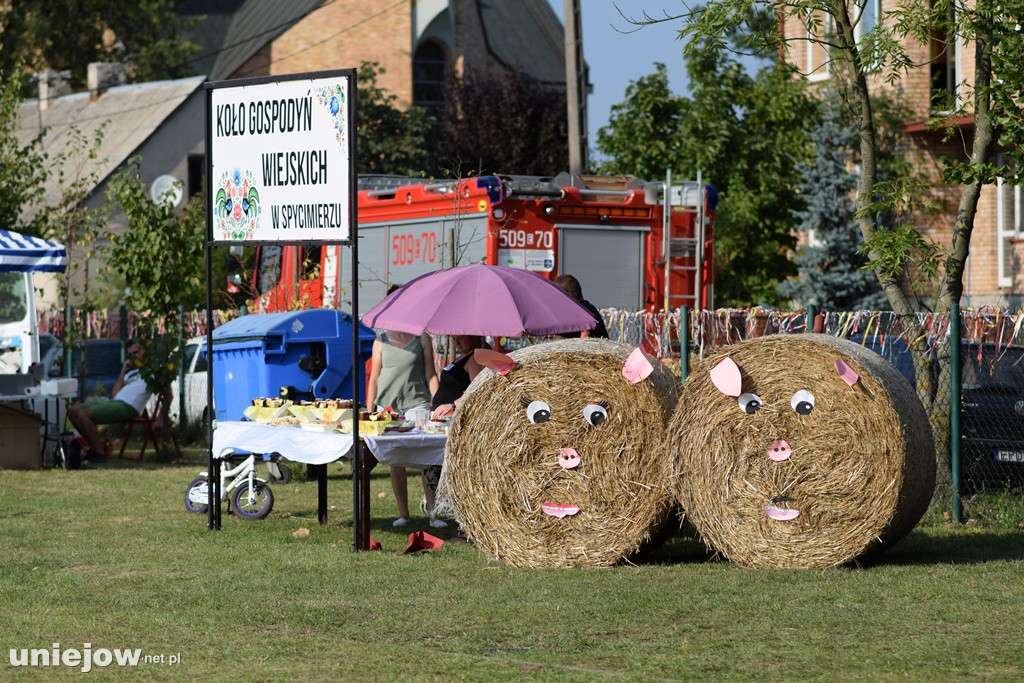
744,133
644,130
832,275
69,34
160,258
506,125
896,251
23,167
391,141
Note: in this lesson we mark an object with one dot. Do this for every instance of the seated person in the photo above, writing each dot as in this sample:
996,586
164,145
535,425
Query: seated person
456,376
130,395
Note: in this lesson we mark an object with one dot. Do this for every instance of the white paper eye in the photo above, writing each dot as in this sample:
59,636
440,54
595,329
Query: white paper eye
802,402
749,403
595,414
538,411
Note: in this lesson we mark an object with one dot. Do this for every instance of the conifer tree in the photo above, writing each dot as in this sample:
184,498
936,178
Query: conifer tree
831,274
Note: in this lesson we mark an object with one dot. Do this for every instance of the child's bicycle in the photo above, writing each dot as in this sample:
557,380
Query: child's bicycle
252,498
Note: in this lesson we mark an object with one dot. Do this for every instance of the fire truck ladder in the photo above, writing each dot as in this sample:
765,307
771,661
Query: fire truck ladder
683,254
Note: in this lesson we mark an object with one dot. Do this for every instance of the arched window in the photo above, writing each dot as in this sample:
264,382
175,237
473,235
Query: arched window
428,69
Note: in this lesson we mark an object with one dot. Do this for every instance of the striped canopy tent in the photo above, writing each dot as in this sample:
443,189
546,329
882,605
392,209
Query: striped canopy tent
21,254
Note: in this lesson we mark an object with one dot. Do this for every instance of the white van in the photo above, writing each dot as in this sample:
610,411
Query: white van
19,326
194,386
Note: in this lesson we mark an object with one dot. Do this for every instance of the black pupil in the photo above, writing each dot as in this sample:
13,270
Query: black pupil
804,407
752,407
542,416
597,418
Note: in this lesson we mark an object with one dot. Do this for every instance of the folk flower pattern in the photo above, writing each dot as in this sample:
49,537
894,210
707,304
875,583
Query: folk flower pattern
332,97
237,205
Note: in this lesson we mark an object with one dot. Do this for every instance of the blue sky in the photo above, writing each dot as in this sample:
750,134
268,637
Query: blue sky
617,58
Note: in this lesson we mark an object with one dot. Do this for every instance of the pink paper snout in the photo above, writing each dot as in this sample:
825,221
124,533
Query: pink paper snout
779,451
569,458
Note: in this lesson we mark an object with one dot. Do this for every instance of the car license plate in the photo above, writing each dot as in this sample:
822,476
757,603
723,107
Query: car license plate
1008,455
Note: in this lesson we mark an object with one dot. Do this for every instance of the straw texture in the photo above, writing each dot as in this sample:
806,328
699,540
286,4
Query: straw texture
500,468
862,468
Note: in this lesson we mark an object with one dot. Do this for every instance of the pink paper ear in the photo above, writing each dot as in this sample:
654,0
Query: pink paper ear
726,377
846,373
496,361
637,368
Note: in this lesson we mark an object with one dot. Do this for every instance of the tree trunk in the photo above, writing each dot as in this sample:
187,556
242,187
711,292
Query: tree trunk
951,286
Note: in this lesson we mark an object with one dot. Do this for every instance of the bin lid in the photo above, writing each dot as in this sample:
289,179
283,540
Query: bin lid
297,326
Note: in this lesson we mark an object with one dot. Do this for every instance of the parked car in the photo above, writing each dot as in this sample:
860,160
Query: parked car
194,387
991,415
103,360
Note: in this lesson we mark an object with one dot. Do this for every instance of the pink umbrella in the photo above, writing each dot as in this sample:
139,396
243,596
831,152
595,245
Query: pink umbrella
480,299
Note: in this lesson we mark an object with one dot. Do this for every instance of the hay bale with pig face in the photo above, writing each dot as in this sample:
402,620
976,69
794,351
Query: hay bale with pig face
558,463
800,451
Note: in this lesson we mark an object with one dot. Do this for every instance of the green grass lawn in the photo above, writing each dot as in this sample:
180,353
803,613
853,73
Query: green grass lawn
108,556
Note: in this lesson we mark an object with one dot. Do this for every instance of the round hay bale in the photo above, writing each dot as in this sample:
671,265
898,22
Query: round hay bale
512,482
819,474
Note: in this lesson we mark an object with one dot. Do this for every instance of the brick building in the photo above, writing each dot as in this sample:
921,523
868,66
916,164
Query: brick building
416,41
994,275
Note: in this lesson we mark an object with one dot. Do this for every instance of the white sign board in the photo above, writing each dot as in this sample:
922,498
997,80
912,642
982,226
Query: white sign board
280,161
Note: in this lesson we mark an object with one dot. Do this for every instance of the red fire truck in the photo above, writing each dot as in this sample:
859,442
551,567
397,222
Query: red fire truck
611,233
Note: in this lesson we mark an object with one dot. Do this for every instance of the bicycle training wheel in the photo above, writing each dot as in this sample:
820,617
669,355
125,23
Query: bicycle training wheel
263,502
197,496
279,474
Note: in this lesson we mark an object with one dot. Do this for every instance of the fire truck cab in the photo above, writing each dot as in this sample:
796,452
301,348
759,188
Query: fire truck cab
632,244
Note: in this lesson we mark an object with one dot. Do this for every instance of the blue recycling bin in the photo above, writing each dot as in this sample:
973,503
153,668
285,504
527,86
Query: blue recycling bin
307,354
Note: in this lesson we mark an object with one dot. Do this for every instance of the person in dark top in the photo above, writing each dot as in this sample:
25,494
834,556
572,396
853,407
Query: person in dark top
453,381
456,376
572,287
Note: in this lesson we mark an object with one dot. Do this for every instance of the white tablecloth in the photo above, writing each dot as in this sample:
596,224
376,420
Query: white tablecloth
407,449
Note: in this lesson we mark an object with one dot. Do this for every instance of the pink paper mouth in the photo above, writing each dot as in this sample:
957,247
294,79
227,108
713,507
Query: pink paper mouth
559,509
780,514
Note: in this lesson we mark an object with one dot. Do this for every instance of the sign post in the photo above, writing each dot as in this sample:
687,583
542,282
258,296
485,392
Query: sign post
280,154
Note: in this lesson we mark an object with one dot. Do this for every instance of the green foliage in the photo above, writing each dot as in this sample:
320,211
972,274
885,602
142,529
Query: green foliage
159,362
506,125
391,141
161,259
644,130
901,252
69,34
161,252
1005,39
745,134
23,167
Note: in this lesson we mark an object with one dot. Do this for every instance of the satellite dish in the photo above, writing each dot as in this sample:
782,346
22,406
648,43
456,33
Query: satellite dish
166,188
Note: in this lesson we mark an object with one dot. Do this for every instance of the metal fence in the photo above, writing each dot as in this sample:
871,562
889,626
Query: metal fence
987,434
982,441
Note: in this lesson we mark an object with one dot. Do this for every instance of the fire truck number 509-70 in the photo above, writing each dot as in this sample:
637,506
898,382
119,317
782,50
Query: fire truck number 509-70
519,239
408,249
